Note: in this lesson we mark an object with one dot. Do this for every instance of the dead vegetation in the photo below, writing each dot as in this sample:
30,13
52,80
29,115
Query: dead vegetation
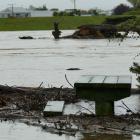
26,105
31,99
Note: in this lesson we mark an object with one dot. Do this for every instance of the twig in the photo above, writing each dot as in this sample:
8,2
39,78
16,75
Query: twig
123,107
68,81
85,109
127,107
58,94
40,85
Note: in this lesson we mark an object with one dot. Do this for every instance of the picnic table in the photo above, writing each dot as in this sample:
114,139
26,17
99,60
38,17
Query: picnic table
104,90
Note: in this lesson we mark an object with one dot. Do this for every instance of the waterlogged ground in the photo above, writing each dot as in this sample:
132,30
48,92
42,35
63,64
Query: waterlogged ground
19,131
30,62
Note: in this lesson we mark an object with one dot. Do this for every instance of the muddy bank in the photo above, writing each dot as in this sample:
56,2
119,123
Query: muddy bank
25,105
95,32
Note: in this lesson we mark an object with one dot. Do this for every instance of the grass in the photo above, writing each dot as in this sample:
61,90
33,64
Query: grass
46,23
132,24
135,12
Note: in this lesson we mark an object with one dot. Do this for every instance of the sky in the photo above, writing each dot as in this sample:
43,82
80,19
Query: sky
64,4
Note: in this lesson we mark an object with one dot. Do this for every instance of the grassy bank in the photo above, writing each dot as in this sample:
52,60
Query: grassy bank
14,24
135,12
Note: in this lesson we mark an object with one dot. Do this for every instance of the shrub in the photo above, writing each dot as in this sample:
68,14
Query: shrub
118,19
136,69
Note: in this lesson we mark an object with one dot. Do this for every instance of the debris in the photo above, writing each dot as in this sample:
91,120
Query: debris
95,32
26,37
68,81
74,69
26,105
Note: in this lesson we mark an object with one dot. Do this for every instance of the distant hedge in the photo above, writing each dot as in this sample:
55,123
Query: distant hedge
114,20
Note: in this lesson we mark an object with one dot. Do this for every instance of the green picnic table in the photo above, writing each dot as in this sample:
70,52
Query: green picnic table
104,90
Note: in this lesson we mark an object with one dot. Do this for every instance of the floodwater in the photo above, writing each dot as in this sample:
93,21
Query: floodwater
30,62
19,131
88,107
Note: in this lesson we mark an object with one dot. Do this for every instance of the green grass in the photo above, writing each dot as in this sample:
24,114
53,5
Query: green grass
71,22
117,19
135,12
132,24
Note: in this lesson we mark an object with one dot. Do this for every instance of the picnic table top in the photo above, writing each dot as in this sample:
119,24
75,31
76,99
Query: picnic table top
116,80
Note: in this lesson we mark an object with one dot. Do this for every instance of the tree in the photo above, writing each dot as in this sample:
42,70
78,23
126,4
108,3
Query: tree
93,12
136,69
54,9
31,7
135,3
120,9
43,7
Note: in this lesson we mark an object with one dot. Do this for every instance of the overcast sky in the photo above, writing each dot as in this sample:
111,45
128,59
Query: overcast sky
64,4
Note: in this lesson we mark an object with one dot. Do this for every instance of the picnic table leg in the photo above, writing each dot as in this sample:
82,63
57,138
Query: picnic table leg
104,108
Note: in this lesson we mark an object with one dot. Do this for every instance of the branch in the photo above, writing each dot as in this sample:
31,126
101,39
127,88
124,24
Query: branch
128,109
68,81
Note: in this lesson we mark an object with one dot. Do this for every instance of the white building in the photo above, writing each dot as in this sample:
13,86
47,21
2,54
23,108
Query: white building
107,12
41,13
14,12
69,10
20,12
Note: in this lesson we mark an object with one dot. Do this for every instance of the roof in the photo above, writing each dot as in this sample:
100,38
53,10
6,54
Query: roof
15,10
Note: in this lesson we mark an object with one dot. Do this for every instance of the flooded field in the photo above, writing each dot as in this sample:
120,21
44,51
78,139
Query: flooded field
19,131
43,59
30,62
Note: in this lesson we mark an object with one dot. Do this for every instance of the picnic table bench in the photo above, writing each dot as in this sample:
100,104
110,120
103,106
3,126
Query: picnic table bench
104,90
54,108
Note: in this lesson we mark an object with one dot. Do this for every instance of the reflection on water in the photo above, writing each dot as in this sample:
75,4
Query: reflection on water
19,131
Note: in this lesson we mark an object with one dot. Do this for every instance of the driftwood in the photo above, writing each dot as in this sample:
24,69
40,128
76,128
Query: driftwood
26,37
72,69
68,81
